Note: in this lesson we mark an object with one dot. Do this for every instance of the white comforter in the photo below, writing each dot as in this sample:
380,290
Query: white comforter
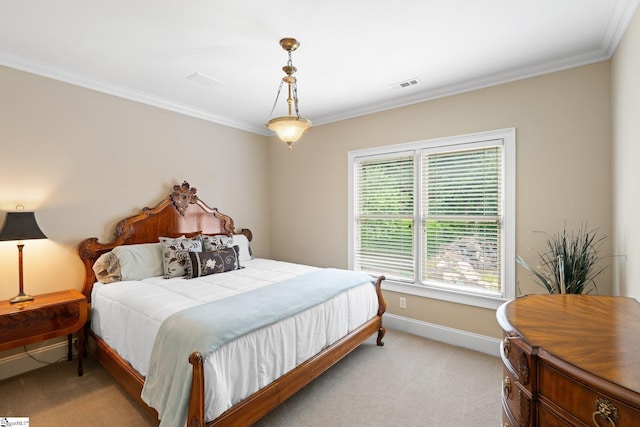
127,315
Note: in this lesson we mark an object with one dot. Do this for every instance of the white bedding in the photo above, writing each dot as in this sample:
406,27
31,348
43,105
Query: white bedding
127,315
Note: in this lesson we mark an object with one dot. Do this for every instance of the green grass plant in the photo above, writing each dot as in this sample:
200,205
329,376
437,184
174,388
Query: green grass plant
570,262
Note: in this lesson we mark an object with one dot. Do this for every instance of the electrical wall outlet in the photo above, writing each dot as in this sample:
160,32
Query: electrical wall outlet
403,302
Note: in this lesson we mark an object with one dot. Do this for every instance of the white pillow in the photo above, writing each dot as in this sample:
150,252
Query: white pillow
245,247
139,261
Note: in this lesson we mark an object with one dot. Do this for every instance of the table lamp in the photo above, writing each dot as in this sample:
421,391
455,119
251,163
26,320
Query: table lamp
20,226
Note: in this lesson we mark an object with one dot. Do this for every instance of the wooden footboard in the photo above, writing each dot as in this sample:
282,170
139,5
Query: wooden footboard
268,398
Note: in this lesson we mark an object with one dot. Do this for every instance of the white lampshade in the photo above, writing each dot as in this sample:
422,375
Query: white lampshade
289,129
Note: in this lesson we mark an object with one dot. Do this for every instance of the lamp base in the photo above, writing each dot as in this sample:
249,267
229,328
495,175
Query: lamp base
21,297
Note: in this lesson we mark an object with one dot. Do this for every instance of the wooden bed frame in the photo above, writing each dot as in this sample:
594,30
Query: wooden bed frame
183,213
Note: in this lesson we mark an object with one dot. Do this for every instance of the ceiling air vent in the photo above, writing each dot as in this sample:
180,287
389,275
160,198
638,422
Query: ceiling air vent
406,83
204,80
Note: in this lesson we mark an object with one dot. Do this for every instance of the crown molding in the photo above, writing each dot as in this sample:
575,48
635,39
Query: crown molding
77,79
617,25
470,85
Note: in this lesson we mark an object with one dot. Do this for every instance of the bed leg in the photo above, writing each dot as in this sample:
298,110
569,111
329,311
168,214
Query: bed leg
381,333
195,417
382,307
382,304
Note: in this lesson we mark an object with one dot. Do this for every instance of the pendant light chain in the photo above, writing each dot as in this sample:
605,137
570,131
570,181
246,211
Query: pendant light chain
294,86
277,97
295,99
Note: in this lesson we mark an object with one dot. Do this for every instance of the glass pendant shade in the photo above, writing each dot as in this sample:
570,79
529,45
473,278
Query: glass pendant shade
289,129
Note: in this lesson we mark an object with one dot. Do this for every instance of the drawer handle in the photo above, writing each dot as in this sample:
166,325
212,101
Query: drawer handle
506,387
506,346
606,410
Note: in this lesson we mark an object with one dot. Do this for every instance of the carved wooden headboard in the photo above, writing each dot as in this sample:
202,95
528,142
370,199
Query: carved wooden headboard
182,213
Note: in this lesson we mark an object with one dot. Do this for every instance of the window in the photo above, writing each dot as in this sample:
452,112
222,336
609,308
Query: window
437,217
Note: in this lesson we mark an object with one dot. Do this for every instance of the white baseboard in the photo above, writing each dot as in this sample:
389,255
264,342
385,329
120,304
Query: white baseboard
20,363
457,337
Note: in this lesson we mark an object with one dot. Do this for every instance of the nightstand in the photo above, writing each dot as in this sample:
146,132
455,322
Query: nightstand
47,316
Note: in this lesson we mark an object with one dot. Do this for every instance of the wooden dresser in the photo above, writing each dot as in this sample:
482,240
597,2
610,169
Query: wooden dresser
570,360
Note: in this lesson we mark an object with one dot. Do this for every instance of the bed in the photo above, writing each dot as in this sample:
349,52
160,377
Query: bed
350,317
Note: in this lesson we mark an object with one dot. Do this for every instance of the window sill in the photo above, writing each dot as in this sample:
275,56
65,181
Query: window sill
475,300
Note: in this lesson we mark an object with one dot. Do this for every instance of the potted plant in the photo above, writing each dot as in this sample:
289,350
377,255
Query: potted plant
570,262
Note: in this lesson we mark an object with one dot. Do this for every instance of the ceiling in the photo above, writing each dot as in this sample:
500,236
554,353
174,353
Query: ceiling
352,58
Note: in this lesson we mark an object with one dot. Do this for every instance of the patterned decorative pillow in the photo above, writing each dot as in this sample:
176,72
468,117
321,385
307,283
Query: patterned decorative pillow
107,268
211,262
217,241
172,266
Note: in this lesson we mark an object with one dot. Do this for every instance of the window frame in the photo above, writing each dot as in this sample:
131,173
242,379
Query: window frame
508,137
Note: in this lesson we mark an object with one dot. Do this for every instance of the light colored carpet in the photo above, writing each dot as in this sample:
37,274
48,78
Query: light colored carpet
55,396
411,381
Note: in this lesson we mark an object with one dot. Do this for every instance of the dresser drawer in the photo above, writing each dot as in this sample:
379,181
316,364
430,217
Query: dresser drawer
516,355
507,417
547,418
516,400
509,401
582,401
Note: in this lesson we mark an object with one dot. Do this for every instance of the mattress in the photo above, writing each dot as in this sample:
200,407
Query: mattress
128,314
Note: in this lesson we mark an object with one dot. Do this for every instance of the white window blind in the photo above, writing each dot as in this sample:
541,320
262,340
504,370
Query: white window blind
462,218
384,217
437,217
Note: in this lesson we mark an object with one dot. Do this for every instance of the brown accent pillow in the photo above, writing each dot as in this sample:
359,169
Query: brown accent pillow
200,264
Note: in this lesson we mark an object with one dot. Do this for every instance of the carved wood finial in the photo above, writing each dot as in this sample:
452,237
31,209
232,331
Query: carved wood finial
183,195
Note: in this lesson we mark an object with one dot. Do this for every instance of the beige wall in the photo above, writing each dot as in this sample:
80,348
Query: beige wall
563,134
83,160
625,72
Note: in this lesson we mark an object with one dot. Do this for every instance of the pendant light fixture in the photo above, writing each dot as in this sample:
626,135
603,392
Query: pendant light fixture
289,128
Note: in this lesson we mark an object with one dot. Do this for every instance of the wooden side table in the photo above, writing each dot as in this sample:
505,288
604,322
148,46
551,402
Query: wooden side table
47,316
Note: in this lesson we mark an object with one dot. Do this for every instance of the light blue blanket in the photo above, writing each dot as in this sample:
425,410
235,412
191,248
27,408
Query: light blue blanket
207,327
